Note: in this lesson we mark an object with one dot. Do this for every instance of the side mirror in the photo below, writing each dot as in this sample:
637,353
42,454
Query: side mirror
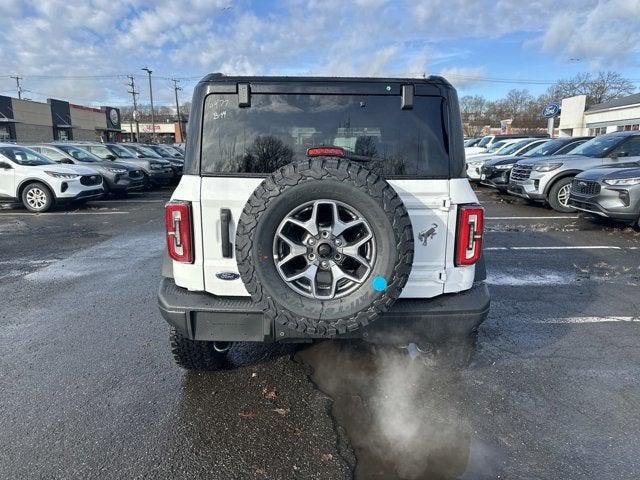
5,166
67,161
110,157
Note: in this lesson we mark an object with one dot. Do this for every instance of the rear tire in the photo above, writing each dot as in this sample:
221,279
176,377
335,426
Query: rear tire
37,197
559,195
315,306
194,354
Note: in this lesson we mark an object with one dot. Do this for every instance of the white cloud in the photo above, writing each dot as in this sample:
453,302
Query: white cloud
463,77
605,36
328,37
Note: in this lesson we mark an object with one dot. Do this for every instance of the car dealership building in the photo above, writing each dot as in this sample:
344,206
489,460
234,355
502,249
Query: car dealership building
577,118
29,121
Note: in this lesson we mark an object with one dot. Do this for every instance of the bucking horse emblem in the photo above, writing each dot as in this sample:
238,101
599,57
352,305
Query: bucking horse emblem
426,235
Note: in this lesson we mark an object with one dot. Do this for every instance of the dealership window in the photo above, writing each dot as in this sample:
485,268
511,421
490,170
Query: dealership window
597,131
5,135
628,128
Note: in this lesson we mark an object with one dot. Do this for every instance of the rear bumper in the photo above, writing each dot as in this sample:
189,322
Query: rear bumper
202,316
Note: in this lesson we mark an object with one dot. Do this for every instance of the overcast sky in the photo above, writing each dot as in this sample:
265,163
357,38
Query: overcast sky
50,41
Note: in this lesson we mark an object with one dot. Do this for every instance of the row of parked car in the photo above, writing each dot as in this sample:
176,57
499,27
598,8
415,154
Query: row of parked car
599,175
40,175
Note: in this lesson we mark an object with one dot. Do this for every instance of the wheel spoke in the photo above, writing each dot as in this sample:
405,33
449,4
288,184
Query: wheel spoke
338,225
295,249
311,225
353,250
308,273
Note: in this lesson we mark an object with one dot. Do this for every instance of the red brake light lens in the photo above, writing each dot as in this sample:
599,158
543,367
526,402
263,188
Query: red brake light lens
179,228
469,235
325,152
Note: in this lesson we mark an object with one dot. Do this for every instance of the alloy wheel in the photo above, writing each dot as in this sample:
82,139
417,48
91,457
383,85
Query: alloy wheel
36,198
563,195
324,249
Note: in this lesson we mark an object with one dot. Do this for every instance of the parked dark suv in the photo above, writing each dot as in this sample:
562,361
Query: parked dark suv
156,171
496,172
322,208
118,179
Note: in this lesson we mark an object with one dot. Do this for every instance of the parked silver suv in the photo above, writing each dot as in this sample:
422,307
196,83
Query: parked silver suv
549,179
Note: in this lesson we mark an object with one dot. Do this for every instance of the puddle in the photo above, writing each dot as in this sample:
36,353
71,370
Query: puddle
403,419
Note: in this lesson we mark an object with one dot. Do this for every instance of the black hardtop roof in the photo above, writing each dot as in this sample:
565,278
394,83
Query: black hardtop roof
221,78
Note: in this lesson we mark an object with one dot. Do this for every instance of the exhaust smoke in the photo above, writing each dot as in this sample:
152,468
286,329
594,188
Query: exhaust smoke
404,419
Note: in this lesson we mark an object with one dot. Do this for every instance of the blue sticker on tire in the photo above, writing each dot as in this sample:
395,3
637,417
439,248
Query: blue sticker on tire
379,284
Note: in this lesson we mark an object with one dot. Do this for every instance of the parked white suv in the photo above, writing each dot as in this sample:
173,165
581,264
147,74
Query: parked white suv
39,183
338,210
511,148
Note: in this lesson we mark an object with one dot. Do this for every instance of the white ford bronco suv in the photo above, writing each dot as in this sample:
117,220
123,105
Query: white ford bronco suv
314,208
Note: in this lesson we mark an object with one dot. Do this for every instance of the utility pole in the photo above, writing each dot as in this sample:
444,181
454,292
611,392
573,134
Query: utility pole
135,114
175,89
18,87
153,117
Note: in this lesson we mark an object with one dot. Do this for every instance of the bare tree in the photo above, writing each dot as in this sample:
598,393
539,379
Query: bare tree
266,154
600,88
473,109
517,102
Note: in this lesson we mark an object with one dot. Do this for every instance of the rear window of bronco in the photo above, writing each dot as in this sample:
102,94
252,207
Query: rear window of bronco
279,128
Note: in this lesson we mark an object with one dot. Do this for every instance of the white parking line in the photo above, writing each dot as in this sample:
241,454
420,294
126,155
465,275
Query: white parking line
25,214
563,247
588,320
534,218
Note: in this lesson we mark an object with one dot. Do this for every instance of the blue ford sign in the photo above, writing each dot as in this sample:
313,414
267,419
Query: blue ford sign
551,110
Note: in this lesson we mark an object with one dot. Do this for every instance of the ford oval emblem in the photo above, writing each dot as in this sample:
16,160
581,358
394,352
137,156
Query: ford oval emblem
551,110
228,275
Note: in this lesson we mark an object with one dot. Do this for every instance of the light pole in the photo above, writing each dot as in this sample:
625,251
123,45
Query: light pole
175,89
153,116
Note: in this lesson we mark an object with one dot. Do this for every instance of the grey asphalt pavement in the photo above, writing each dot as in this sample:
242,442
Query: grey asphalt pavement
89,389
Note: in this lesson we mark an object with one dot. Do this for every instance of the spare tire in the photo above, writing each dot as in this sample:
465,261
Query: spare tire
324,246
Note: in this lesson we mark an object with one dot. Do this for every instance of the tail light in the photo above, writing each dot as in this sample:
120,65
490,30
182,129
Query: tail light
179,231
325,152
469,234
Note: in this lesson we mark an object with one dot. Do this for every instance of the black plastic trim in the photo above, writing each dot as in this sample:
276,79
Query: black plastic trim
202,316
225,221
